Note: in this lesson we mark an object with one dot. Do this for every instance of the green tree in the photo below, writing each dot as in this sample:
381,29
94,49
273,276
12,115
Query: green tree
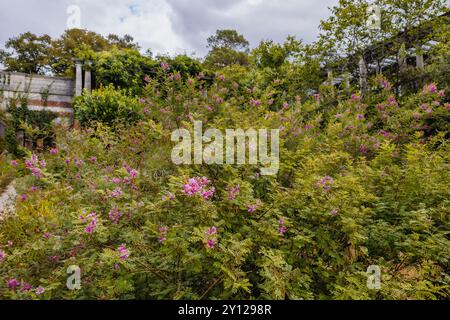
227,47
273,55
69,46
29,53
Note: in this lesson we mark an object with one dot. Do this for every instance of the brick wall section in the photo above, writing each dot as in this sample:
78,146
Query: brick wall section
43,92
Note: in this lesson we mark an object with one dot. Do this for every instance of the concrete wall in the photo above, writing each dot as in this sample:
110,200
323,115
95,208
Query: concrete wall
43,92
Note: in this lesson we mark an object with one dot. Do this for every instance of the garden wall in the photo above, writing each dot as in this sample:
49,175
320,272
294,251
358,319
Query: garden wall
42,92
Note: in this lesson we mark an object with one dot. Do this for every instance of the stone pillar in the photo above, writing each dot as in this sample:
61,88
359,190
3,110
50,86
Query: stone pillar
363,75
419,61
87,76
2,130
347,80
78,77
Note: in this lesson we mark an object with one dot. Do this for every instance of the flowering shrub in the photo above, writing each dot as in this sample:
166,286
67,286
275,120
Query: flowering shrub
362,183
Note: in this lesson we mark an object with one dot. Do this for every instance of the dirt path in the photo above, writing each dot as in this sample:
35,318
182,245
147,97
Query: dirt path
7,199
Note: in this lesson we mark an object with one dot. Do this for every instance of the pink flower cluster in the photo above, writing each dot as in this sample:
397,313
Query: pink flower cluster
325,183
355,97
91,220
14,284
33,165
115,215
430,88
116,193
255,103
198,186
164,65
211,240
123,252
251,208
233,192
162,234
282,229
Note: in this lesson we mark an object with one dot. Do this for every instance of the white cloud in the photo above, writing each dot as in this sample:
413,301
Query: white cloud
169,26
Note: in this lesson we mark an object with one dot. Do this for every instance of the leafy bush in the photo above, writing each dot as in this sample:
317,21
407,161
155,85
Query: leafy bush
359,185
107,105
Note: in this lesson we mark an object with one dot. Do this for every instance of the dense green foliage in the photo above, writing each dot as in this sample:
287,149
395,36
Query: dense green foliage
106,105
359,185
363,179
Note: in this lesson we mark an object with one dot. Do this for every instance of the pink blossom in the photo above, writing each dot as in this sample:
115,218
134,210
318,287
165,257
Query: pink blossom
14,163
13,284
133,174
115,215
198,186
211,243
123,252
40,290
54,151
164,65
255,103
392,101
251,208
116,193
356,97
92,222
325,183
211,231
116,180
232,192
23,197
282,230
430,88
26,287
36,172
162,234
93,159
2,255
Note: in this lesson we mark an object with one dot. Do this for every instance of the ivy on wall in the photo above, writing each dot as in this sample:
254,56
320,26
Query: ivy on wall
32,125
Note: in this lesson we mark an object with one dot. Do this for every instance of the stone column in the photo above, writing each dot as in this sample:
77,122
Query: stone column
347,80
78,77
363,75
419,61
87,76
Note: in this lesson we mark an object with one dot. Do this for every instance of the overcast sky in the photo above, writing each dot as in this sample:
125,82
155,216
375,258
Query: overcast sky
169,26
